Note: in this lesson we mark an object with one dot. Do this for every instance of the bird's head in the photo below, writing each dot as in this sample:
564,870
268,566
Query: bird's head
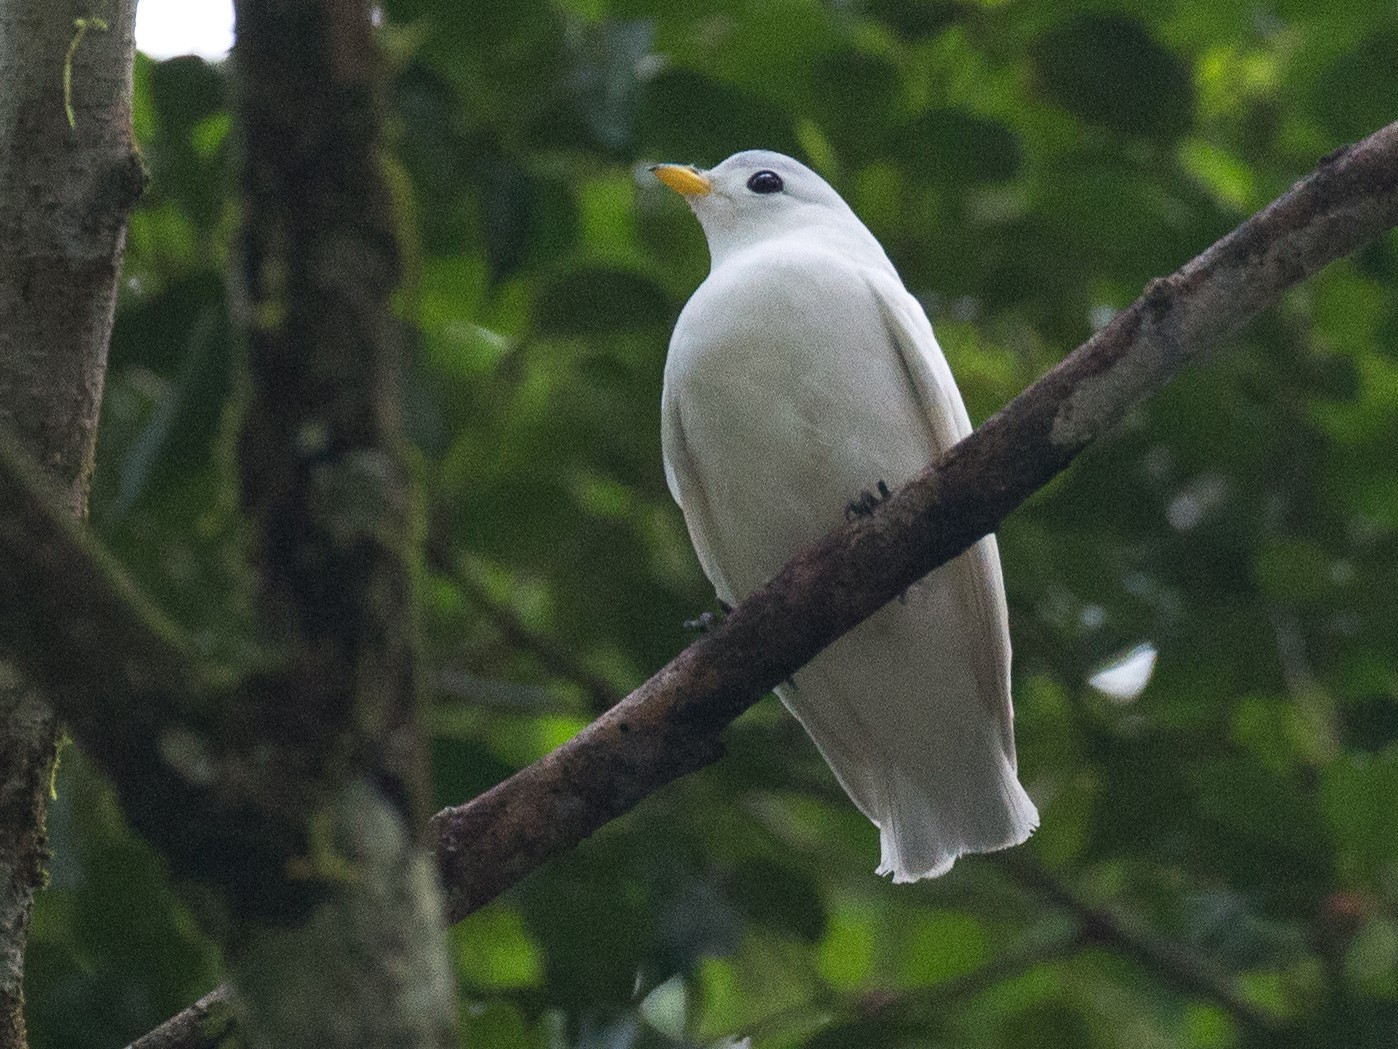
758,195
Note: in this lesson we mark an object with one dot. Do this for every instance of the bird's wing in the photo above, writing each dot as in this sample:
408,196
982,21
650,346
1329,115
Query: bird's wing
688,491
977,570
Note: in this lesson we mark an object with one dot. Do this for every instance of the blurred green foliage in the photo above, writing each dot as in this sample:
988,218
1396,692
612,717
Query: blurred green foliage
1029,166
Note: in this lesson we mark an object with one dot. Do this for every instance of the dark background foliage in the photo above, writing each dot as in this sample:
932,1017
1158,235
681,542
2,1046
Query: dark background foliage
1029,166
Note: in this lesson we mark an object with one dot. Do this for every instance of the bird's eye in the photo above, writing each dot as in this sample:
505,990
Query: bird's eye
765,182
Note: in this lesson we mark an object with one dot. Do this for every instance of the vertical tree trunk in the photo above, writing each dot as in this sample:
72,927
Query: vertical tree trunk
65,193
327,491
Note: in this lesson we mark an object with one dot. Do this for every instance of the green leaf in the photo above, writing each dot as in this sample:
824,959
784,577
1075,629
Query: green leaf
686,117
597,300
494,951
953,148
936,946
1293,570
1350,96
1371,962
780,897
495,1025
848,87
1110,71
1358,795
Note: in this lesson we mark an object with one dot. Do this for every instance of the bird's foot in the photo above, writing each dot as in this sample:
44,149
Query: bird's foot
707,621
867,502
702,623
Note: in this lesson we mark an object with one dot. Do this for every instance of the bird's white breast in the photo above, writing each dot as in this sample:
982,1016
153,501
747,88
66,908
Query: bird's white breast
789,396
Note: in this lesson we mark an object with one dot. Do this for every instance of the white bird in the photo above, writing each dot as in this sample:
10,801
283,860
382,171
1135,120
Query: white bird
800,373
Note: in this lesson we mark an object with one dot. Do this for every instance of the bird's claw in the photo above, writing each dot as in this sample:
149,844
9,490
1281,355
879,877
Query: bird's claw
867,502
702,623
707,621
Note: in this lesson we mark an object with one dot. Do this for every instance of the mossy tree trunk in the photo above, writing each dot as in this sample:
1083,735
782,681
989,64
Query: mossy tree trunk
326,488
65,193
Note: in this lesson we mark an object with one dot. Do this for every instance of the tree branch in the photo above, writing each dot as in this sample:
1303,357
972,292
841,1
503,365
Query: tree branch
670,725
207,1024
78,628
1178,966
1174,963
193,778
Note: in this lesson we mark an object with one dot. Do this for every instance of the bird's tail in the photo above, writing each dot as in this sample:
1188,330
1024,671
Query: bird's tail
921,837
926,760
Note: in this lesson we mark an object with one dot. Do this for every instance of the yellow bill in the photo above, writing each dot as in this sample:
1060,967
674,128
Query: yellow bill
683,179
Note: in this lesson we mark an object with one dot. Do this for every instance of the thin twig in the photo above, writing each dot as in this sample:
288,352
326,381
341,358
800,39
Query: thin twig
82,25
1173,962
455,683
555,658
878,1015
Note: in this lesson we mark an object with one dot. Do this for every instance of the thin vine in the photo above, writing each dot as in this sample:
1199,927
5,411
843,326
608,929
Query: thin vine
82,25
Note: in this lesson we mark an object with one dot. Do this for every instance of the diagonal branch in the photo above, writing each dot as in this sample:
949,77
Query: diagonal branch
80,631
207,1024
1173,962
159,722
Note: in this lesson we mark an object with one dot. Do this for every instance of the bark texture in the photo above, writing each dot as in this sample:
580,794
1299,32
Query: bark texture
65,194
671,725
370,966
321,460
208,1024
27,749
